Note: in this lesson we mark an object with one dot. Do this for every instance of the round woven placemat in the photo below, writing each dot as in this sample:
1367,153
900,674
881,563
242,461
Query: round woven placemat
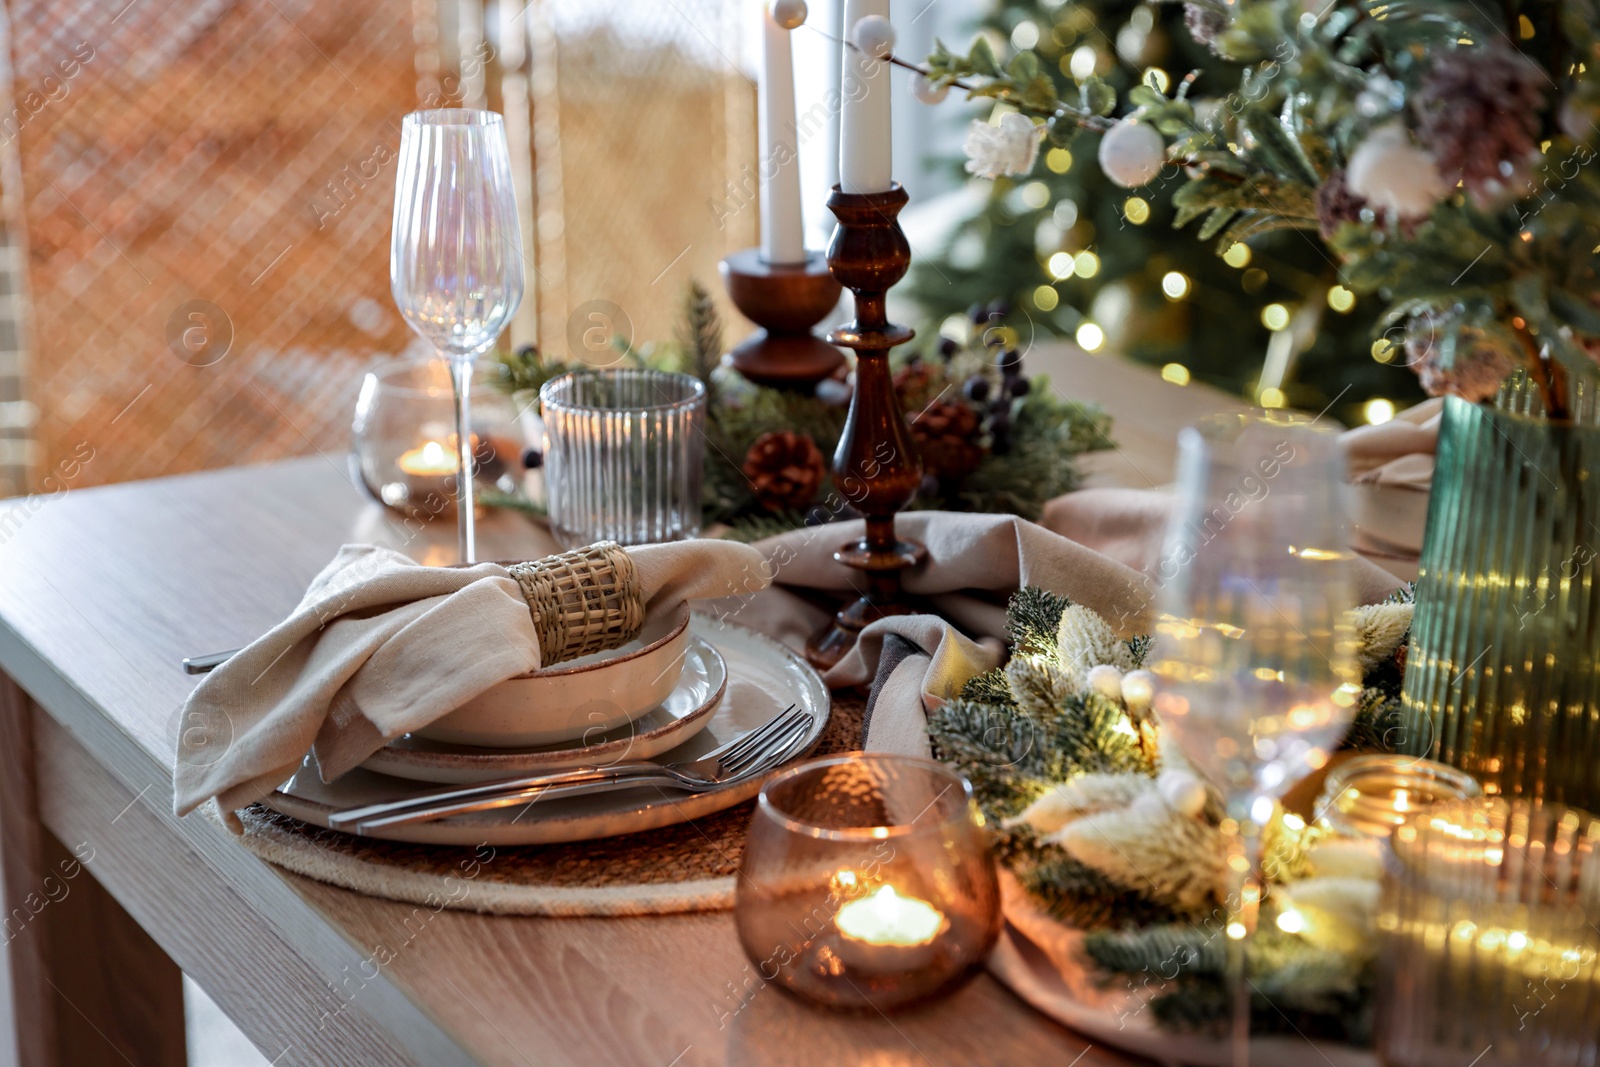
688,867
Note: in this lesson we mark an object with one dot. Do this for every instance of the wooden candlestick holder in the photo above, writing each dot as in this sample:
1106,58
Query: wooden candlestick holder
786,301
876,466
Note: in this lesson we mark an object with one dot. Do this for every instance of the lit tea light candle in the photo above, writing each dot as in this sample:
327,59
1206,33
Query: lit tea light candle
428,460
884,931
1371,795
426,486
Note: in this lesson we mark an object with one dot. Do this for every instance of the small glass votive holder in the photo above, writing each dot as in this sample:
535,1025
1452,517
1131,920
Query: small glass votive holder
1368,796
623,453
1489,929
867,882
404,436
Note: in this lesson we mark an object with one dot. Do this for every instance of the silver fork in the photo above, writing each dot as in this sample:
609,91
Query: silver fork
753,753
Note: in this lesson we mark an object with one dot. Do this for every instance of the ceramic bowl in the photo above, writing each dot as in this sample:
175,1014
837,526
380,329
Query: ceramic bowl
587,695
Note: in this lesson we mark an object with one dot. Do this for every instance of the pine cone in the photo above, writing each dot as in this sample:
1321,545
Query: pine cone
946,435
914,385
1205,22
1478,116
785,469
1336,204
1478,366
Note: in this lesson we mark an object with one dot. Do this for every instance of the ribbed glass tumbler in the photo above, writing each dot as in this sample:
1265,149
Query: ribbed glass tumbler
623,452
1501,678
1489,929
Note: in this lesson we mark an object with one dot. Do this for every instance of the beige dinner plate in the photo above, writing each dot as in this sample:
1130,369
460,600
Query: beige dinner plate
1041,960
764,678
686,710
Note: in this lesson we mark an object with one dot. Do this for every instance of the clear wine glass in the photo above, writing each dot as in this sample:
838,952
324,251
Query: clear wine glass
455,260
1255,653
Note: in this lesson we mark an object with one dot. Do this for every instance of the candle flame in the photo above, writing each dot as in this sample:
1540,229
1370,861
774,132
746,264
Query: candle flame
432,458
884,917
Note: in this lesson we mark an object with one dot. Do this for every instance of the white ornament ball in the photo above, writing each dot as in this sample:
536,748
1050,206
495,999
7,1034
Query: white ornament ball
1138,690
927,91
874,35
790,14
1573,122
1131,153
1106,680
1183,792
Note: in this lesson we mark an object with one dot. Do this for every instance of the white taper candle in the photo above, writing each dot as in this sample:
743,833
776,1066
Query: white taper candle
866,164
782,233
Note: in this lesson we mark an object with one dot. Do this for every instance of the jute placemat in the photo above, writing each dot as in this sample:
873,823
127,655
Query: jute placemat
688,867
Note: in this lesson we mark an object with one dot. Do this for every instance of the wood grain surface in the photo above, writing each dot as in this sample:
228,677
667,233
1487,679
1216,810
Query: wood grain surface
103,591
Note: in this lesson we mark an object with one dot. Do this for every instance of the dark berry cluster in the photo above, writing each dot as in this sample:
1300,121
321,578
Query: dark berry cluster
992,403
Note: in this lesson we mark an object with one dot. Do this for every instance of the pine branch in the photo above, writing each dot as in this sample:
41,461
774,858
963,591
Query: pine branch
1379,723
525,370
1139,648
1001,752
990,687
1032,617
1081,896
1297,987
701,337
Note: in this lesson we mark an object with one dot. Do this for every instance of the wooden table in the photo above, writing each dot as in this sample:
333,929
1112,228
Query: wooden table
103,591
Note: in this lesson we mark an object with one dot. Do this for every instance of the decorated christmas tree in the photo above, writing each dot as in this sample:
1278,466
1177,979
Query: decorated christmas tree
1436,150
1072,253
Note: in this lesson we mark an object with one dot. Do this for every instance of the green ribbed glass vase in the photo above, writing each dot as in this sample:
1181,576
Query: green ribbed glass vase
1501,677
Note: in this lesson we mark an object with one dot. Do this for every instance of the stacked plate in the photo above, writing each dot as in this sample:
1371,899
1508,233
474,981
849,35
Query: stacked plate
683,688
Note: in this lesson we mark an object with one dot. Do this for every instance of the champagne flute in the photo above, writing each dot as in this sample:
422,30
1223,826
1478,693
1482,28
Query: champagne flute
455,258
1255,653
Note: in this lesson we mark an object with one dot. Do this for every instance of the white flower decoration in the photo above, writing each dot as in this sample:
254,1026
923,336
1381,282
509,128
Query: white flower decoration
1007,149
1394,174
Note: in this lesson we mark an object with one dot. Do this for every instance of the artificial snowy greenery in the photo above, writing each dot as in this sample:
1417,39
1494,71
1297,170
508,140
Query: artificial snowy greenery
1025,443
1108,828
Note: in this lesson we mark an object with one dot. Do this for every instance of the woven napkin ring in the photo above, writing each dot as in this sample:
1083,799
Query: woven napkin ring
582,601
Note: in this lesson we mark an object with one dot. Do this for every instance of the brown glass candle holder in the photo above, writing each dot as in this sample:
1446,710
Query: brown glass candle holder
866,882
786,301
876,466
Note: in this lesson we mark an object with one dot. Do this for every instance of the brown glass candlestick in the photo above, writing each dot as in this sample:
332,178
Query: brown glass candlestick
876,466
786,301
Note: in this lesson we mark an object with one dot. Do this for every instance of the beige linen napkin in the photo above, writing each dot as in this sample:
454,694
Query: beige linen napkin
915,663
1398,452
1391,469
974,563
379,646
